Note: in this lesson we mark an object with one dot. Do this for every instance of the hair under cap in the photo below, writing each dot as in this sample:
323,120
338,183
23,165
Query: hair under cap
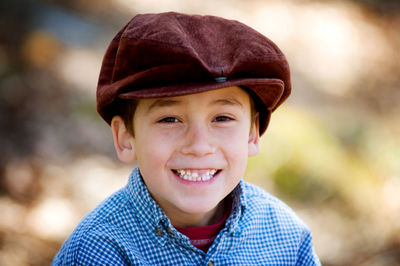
173,54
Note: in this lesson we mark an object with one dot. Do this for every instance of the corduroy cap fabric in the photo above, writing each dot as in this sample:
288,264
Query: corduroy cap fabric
172,54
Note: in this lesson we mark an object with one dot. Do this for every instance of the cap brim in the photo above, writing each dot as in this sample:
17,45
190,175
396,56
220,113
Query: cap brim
270,91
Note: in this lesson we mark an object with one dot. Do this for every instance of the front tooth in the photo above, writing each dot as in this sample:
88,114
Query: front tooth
195,176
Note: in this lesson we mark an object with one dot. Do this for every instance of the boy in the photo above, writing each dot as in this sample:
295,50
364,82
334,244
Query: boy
187,98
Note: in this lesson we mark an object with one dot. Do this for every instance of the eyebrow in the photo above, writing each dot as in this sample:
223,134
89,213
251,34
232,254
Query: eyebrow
228,101
163,103
169,102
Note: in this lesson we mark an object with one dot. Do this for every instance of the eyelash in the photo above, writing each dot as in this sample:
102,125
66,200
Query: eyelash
171,119
222,118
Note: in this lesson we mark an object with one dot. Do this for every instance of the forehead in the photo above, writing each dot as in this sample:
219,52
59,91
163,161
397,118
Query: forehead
230,96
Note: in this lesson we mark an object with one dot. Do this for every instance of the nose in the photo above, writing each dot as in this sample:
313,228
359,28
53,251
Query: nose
198,141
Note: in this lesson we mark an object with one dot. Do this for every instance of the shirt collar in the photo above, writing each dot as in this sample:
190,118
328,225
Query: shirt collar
145,206
239,202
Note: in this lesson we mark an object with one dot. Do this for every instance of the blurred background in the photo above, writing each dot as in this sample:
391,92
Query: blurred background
332,152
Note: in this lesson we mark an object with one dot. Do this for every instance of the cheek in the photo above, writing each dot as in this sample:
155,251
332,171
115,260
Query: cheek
154,148
235,144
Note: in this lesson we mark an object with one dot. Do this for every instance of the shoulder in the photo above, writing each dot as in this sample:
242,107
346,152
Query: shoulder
261,203
112,210
268,218
96,233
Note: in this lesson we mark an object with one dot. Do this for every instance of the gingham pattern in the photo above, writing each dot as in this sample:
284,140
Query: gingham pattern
129,228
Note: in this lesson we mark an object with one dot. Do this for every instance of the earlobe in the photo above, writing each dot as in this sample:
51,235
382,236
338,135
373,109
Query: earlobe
123,140
254,139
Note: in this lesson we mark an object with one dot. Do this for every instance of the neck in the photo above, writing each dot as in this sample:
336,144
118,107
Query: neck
196,220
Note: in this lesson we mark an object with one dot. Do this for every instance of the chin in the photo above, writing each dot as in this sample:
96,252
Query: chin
196,208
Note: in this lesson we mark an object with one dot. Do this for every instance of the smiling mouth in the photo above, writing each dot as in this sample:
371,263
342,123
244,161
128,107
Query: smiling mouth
195,175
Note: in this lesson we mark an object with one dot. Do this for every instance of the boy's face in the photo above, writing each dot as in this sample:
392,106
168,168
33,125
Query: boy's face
192,150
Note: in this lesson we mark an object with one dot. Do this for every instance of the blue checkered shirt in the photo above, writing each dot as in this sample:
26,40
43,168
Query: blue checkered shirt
129,228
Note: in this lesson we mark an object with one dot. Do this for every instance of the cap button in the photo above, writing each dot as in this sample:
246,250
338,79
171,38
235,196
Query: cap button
220,79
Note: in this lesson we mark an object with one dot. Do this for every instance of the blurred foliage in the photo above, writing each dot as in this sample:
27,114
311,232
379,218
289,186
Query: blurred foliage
384,7
309,165
332,152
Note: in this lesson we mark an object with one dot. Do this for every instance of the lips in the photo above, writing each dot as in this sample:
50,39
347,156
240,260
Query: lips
196,175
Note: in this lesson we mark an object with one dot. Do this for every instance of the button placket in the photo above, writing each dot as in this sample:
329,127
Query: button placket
169,230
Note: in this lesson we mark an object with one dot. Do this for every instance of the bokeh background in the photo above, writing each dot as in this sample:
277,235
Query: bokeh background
332,152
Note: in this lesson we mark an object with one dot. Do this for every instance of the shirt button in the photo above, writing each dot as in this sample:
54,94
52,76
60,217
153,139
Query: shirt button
159,232
210,263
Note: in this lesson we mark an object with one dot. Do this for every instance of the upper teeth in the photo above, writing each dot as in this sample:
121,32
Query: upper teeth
193,175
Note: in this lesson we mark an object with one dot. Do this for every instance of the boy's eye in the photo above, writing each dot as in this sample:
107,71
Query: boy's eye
169,119
222,118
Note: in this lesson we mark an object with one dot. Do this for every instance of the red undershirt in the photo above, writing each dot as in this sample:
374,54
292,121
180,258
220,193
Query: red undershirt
202,237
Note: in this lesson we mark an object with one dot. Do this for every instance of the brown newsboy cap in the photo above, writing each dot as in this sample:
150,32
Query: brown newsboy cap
172,54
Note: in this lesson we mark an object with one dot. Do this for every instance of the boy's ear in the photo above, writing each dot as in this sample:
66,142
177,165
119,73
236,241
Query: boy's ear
254,138
123,140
